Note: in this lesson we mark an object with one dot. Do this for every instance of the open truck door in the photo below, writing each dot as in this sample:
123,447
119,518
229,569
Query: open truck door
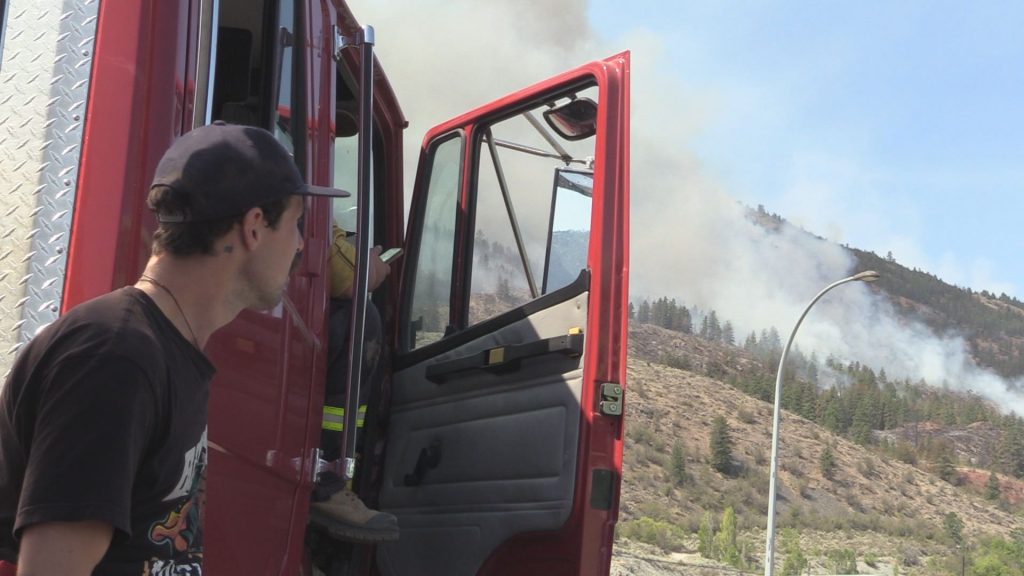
504,443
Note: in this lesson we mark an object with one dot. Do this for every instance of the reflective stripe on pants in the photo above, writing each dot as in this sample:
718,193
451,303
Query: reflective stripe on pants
334,417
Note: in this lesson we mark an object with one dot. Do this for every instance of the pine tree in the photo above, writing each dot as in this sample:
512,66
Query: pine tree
750,344
832,414
677,466
662,312
721,446
714,328
681,320
992,491
1011,449
812,369
728,336
945,467
504,289
774,341
643,312
827,463
705,544
725,541
954,528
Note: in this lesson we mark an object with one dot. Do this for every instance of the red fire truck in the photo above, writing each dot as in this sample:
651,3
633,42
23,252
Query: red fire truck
497,440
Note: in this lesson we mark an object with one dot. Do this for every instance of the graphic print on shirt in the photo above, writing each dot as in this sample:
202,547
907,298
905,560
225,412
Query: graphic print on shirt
181,526
192,567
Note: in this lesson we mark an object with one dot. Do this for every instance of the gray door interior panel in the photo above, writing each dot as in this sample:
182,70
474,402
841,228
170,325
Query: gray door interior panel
483,456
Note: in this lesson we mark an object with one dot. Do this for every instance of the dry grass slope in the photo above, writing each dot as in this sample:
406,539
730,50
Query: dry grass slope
872,504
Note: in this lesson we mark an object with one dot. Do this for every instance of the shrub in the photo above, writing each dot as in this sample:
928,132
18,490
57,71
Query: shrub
677,361
659,533
640,433
910,557
871,559
803,487
795,562
866,467
746,416
691,523
842,561
758,455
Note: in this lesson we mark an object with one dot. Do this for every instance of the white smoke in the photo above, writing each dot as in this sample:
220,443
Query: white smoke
689,239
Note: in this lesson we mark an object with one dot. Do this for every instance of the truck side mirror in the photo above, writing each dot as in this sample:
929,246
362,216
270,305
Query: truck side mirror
574,120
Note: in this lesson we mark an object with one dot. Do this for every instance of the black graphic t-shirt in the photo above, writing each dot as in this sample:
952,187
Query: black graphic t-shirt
103,418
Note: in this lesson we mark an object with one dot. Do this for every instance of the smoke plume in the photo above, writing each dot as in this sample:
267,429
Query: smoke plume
690,240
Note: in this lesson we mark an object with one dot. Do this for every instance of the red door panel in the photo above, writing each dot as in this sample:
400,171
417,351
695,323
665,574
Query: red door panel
504,451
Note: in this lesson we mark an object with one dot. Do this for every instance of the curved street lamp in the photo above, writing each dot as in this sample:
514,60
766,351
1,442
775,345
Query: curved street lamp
769,547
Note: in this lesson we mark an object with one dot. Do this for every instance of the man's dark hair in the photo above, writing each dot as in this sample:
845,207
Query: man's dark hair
194,238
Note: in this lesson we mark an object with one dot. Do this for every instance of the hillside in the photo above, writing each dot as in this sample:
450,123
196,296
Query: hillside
993,325
883,509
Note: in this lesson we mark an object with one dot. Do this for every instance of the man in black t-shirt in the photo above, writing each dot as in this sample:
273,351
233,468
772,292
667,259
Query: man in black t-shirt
103,418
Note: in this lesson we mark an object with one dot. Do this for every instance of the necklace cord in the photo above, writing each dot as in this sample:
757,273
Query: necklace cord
151,280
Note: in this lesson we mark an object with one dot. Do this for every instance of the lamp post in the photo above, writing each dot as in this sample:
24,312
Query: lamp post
769,547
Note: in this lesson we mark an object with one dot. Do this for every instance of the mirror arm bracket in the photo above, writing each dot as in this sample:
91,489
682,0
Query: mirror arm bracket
562,153
360,38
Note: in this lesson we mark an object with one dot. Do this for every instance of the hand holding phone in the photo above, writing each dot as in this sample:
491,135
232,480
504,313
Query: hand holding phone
390,254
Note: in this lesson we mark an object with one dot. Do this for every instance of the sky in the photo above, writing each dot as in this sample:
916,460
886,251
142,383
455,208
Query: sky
888,126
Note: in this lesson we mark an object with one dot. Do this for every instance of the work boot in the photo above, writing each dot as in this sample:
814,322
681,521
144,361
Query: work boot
345,517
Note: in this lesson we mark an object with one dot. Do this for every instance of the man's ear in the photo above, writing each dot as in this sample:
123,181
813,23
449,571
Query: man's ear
253,225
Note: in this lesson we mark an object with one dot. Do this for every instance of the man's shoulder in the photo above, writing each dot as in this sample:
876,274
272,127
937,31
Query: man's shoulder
125,298
119,323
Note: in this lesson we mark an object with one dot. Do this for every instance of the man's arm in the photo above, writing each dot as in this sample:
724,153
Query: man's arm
342,266
65,548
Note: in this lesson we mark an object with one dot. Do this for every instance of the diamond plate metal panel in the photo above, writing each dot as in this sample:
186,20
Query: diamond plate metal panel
44,81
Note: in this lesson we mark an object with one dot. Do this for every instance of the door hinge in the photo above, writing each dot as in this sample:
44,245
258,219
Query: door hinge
611,399
319,464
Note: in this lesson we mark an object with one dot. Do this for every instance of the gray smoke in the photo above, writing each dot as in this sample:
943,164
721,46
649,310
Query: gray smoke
690,239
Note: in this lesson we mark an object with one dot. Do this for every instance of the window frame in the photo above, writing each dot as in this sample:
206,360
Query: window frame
414,244
475,160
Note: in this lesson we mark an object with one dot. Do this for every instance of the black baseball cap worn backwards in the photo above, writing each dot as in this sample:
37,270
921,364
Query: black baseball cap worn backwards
222,170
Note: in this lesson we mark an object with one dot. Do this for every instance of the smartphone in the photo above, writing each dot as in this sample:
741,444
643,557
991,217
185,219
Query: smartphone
390,254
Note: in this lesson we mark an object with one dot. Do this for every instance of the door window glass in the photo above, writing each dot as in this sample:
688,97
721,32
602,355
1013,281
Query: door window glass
254,77
531,237
435,247
283,37
569,229
346,154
